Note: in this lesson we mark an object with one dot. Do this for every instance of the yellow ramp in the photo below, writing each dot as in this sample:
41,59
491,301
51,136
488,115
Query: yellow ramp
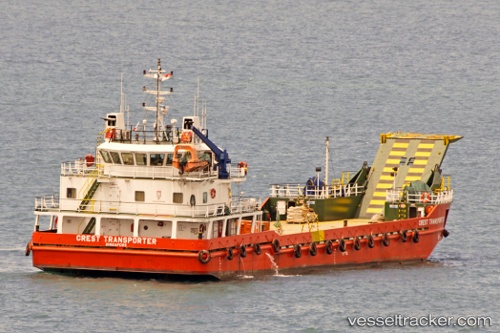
413,154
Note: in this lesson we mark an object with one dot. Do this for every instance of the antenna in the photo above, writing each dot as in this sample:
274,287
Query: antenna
327,156
159,75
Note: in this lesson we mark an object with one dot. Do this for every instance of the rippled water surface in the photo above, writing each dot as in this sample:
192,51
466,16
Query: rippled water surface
278,77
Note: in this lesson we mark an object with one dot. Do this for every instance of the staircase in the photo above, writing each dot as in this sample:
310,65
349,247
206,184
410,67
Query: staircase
89,227
89,195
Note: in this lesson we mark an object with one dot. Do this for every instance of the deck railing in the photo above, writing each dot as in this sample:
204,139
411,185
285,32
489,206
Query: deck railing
397,195
52,203
316,192
80,168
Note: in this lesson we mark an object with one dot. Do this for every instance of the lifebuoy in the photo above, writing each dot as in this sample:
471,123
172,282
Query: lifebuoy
329,247
404,236
276,246
256,248
342,245
416,237
243,251
229,254
371,242
425,197
297,251
357,244
243,166
386,240
204,256
313,249
186,136
213,193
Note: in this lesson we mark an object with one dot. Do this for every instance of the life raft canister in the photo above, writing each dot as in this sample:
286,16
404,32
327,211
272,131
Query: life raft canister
89,159
110,133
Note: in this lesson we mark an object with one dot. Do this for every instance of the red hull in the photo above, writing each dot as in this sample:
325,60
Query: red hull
211,257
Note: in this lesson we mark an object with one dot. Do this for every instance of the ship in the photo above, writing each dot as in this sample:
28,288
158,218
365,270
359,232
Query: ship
157,200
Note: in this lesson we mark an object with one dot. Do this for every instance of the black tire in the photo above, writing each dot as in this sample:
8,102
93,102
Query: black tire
313,249
342,245
386,240
256,248
230,253
243,251
329,247
357,244
371,242
297,251
404,236
416,236
276,246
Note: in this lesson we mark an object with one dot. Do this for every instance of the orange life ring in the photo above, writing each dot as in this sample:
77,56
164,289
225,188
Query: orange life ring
244,166
213,193
186,136
425,197
204,256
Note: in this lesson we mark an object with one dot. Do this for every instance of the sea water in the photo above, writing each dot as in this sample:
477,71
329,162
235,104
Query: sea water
278,77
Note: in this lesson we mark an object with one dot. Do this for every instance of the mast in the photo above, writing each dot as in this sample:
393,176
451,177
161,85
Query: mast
159,75
327,157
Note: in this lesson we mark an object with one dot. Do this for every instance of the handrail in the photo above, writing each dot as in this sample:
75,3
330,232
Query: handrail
80,168
316,192
428,197
53,204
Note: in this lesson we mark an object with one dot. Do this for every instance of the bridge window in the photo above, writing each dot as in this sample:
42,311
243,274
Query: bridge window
116,157
156,159
170,157
105,156
128,158
140,159
139,196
